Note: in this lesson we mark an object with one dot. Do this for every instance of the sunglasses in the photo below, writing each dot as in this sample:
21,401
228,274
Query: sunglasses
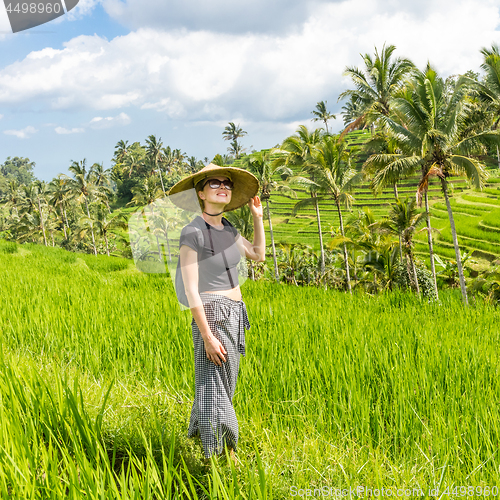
216,183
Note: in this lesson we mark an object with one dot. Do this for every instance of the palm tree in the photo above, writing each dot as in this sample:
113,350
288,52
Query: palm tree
235,149
233,132
321,114
82,187
155,156
132,163
375,85
102,182
120,151
489,89
331,164
296,151
102,225
403,220
13,195
429,127
58,189
261,165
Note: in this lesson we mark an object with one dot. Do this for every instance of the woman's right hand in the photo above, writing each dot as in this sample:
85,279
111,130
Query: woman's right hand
215,350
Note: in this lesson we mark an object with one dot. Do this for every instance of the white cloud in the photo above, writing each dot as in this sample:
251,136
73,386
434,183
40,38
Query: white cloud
83,8
67,131
111,121
23,133
203,75
174,109
243,16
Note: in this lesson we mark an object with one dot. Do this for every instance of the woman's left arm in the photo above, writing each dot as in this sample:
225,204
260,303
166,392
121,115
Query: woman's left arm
257,251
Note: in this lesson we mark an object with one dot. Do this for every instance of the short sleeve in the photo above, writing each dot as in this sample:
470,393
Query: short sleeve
231,228
190,237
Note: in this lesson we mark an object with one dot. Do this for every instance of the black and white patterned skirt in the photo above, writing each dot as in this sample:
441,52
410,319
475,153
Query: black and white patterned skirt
213,416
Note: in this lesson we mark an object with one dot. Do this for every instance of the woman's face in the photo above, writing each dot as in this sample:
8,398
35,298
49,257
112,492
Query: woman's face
219,196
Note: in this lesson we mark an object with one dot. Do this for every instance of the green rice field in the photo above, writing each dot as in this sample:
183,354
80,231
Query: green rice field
336,391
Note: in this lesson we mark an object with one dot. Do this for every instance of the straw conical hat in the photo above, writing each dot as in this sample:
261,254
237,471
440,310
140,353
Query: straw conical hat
246,186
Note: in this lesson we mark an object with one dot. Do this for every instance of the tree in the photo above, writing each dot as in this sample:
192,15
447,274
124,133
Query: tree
374,86
429,125
331,164
489,89
403,220
102,225
58,196
232,133
321,114
18,169
155,155
82,187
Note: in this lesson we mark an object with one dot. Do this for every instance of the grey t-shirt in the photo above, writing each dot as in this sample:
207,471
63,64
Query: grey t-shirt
212,273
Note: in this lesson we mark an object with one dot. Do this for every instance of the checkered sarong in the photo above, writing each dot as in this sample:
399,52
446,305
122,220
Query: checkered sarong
213,416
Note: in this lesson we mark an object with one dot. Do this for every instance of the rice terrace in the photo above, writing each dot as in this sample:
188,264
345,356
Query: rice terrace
371,361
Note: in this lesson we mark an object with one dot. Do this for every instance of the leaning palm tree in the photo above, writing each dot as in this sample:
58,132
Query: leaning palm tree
429,127
375,85
261,165
332,165
322,114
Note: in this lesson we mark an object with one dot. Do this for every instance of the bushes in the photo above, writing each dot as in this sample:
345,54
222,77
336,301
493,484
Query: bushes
403,280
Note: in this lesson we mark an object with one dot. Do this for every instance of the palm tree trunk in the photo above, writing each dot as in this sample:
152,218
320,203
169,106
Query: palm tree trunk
320,234
396,191
162,186
65,217
64,227
252,270
91,226
41,221
498,158
168,246
346,258
276,275
455,242
107,246
431,248
414,272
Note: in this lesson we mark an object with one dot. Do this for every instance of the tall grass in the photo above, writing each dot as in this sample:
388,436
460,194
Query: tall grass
334,391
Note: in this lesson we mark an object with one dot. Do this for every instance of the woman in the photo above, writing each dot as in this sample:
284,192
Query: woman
210,249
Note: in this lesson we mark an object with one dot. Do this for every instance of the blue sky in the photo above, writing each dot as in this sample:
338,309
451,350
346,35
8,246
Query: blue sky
125,69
